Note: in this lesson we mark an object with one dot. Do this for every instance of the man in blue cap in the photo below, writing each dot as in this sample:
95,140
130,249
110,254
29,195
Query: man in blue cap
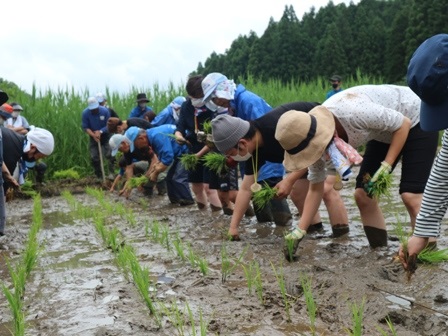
168,152
428,77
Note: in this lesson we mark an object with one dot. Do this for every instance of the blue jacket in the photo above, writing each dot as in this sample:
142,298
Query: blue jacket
248,106
165,147
164,117
97,121
137,112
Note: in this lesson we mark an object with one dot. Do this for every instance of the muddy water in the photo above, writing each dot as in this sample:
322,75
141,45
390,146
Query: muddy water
77,288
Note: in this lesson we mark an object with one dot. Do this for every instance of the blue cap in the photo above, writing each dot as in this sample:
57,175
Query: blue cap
428,77
132,134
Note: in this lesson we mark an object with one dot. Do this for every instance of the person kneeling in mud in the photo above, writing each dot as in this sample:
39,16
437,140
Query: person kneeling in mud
255,141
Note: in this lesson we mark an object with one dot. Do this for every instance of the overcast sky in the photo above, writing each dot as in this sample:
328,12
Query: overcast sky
119,44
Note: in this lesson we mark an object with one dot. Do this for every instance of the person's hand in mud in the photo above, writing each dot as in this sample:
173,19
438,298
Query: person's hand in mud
233,234
12,181
125,191
414,246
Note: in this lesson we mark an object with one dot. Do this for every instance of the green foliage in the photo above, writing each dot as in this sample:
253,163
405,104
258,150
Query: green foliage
66,174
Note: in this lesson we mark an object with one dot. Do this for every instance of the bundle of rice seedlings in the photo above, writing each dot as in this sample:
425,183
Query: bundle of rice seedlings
430,255
262,197
207,127
380,187
189,161
135,182
216,162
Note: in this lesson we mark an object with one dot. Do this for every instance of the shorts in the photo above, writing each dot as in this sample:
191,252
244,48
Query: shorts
225,182
200,174
417,157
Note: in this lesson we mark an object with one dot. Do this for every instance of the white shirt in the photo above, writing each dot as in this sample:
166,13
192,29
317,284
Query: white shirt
369,112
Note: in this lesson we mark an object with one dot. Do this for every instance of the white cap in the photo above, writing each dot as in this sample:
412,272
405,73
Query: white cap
100,97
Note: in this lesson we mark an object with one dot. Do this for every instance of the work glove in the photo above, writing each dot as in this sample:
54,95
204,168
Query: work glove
385,168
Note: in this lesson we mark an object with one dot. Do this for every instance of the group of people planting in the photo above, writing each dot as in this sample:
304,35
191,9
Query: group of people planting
302,150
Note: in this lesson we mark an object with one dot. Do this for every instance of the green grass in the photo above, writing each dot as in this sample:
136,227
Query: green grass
357,318
66,174
311,306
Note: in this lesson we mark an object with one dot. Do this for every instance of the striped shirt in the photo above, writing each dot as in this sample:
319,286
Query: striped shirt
435,196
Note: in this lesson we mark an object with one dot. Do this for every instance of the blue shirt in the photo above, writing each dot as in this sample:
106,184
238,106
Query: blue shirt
248,106
164,117
332,92
165,147
138,112
95,121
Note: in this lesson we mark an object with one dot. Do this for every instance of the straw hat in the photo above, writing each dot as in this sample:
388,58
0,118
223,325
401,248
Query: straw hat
304,136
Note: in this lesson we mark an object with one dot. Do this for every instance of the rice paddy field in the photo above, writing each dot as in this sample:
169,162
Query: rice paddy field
79,260
94,263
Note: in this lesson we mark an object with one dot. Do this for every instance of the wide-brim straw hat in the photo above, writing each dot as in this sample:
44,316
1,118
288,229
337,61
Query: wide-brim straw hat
304,136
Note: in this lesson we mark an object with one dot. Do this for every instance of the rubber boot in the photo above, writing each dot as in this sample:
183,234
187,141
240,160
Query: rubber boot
280,212
376,237
315,227
264,215
340,230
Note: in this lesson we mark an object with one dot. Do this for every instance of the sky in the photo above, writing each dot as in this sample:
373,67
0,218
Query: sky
123,44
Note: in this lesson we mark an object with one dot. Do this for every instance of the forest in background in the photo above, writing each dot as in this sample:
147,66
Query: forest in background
375,37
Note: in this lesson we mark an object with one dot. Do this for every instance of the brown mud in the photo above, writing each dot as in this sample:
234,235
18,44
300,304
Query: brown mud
76,287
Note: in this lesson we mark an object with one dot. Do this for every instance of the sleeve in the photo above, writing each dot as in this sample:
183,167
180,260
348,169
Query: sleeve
181,123
160,119
161,144
25,123
435,197
133,113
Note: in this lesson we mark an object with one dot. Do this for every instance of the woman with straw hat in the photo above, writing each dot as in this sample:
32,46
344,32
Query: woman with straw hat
384,118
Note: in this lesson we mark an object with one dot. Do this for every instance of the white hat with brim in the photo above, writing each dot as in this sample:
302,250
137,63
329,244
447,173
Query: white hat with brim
304,136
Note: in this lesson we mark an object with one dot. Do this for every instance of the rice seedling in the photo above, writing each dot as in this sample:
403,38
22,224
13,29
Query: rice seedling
112,239
258,281
279,275
403,236
228,264
191,256
290,248
20,272
70,173
146,229
16,307
203,265
390,326
189,161
165,237
179,247
216,162
381,187
207,126
311,307
135,182
430,255
175,316
250,274
155,231
357,318
203,325
262,197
